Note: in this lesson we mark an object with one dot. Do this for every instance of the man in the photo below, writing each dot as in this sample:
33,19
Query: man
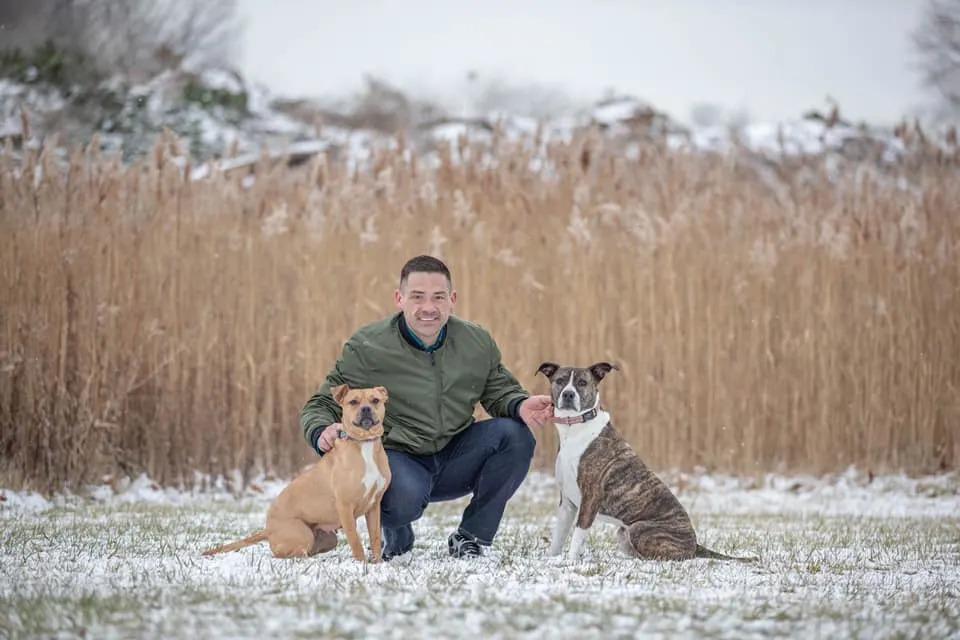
436,368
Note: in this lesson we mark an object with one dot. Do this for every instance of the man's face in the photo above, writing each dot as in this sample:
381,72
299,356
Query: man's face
427,302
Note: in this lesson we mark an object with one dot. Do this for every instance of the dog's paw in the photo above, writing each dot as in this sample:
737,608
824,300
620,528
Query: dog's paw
555,559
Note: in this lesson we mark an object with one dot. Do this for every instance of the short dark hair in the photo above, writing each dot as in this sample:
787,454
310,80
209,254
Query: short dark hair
424,264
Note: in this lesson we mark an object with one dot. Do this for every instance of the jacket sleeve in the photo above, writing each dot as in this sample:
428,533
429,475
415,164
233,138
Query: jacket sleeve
502,394
321,409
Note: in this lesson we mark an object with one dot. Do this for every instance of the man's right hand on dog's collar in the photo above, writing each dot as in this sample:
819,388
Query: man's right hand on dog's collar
328,436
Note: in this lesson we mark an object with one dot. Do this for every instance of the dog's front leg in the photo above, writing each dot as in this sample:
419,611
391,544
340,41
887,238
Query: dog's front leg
589,508
373,530
577,544
562,524
349,524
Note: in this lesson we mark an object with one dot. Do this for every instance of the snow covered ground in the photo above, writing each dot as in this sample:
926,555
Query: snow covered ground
841,556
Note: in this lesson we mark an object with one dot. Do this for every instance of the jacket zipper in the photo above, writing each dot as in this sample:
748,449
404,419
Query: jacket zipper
436,374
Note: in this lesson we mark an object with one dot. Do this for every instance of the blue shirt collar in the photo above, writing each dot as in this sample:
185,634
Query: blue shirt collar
415,340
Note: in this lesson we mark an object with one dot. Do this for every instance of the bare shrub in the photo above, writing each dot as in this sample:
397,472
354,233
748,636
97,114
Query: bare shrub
937,42
135,38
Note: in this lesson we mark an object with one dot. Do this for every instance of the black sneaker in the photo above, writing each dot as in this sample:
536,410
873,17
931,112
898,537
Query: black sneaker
463,545
388,556
397,542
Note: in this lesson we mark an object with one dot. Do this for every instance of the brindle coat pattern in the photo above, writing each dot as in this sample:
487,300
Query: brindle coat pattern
614,482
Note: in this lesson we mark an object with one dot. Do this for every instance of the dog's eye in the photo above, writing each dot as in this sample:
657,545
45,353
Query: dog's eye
375,401
354,402
581,383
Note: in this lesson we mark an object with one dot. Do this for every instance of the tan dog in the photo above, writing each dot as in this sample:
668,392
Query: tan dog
347,482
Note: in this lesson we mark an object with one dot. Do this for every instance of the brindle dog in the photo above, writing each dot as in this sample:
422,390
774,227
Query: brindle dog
601,477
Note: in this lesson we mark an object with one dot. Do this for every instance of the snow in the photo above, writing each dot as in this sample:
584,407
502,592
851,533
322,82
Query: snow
848,494
614,111
266,125
222,80
847,554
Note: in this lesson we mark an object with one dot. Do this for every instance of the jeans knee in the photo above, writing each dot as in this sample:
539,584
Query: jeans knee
516,438
402,503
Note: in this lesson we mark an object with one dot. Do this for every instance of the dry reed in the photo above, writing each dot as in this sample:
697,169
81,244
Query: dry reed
781,317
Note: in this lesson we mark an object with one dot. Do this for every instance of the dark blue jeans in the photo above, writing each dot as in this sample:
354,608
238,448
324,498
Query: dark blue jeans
489,459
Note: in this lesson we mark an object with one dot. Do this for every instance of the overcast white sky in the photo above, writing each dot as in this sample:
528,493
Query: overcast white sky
773,58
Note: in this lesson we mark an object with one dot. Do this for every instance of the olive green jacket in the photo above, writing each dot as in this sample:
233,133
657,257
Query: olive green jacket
432,392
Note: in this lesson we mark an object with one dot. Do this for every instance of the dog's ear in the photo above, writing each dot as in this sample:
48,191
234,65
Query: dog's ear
548,369
600,369
383,392
340,392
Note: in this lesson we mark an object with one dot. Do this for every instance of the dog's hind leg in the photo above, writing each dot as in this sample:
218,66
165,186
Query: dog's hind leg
290,538
661,541
323,541
623,543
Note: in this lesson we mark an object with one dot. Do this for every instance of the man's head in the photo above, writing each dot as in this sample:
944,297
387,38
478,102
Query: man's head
426,296
574,389
363,410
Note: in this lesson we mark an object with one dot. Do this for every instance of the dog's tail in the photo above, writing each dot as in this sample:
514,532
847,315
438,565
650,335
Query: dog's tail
703,552
259,536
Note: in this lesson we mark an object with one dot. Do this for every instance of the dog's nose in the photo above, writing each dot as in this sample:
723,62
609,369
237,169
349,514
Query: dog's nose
568,396
366,411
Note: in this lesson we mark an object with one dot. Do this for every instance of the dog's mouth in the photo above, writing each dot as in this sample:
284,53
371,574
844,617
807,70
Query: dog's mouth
366,422
570,405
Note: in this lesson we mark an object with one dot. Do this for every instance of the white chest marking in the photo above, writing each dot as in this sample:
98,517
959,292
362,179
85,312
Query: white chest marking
371,472
574,440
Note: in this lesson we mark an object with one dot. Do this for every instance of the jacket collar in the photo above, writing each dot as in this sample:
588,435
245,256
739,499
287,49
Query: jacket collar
415,341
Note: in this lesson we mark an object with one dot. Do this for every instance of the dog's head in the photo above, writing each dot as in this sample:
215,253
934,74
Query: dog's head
363,410
574,389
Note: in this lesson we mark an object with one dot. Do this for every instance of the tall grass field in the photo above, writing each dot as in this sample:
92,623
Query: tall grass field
801,316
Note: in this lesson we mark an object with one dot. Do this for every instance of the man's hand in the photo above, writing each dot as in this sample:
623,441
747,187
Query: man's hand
329,436
536,411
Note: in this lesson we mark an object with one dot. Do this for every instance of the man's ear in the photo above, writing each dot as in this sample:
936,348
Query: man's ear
548,369
600,369
382,391
339,393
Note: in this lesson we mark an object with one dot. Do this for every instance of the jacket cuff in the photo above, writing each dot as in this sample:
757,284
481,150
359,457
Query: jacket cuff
514,407
315,437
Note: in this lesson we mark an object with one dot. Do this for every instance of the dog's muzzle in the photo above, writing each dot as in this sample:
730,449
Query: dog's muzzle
568,400
367,419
